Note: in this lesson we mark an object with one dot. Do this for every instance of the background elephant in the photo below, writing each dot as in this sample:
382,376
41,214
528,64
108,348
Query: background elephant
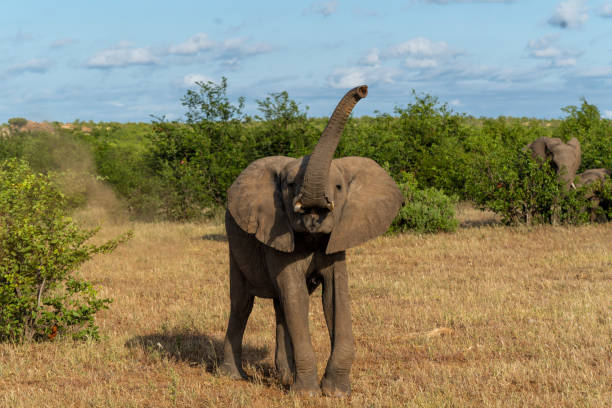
289,222
564,157
591,176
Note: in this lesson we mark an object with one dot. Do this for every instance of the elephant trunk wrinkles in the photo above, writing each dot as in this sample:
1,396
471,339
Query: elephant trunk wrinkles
313,192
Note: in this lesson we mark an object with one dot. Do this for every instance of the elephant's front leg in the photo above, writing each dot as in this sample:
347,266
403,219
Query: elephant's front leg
283,358
293,294
336,306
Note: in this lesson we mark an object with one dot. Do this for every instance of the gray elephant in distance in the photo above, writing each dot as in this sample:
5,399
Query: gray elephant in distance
564,157
591,176
289,222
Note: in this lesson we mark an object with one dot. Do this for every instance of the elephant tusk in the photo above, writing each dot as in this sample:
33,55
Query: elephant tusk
573,186
330,206
298,207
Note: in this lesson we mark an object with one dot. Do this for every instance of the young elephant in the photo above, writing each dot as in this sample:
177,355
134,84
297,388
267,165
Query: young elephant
289,222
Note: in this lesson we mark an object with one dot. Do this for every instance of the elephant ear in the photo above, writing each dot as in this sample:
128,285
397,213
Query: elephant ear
373,200
254,200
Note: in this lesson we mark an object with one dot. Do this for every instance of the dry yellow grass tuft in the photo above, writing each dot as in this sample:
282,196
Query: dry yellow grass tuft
487,316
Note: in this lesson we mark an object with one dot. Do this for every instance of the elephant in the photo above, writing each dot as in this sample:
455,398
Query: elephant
564,157
592,175
587,178
289,222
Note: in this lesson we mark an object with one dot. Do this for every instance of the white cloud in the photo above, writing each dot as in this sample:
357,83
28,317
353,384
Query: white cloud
606,10
418,46
608,114
325,8
347,78
595,72
191,79
122,56
411,62
570,14
373,57
37,66
350,77
547,49
455,102
239,47
193,45
230,52
421,53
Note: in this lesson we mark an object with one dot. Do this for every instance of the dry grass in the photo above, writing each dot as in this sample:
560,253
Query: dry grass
488,316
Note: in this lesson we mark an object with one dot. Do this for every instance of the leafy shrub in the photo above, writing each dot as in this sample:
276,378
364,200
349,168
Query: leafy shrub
17,122
599,195
523,190
424,211
425,136
41,295
593,132
196,161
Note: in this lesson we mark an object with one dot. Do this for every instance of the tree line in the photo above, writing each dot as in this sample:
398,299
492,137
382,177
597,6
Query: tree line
181,169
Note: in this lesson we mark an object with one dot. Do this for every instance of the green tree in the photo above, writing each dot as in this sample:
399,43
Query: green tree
284,129
198,160
17,122
525,191
41,248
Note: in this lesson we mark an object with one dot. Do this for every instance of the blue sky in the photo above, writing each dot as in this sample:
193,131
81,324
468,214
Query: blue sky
126,60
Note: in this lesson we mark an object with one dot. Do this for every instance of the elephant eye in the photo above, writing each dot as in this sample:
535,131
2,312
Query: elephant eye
338,187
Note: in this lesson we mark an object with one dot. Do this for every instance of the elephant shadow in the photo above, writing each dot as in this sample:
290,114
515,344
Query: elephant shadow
201,350
215,237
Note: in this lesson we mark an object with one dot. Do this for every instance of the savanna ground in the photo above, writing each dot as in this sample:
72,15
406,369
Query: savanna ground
488,316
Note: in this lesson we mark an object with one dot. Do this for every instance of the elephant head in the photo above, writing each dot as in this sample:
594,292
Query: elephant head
564,157
353,199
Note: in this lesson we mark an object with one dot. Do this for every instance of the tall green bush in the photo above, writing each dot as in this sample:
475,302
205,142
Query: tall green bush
41,248
198,160
594,133
525,191
424,211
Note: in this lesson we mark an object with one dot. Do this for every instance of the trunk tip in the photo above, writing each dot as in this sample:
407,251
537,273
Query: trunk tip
362,91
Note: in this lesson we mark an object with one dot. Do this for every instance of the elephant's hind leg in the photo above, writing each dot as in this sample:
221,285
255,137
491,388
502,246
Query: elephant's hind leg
241,306
283,358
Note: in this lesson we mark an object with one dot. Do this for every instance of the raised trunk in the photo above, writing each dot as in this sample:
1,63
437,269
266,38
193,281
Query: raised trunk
314,187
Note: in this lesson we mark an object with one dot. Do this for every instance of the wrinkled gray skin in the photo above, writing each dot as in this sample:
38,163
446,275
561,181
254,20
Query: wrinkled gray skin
564,157
591,176
289,222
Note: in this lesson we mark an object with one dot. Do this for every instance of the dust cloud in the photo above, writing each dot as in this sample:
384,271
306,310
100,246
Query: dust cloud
95,202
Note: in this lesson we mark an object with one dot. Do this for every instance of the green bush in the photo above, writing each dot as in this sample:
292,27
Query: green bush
525,191
424,211
196,161
593,132
17,122
41,295
599,195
